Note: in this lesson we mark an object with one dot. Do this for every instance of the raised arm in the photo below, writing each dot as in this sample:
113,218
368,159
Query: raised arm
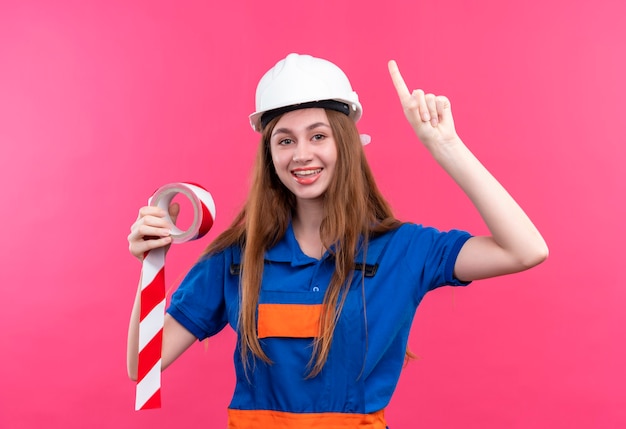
515,244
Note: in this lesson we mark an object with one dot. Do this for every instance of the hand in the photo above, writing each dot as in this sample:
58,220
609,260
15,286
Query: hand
429,115
151,230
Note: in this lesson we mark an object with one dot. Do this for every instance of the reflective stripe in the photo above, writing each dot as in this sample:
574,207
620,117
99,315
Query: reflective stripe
289,320
268,419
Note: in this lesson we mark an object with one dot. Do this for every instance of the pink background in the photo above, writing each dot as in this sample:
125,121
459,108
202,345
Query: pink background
102,102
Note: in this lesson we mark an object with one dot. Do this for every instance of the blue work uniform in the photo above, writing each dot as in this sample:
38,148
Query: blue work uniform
370,339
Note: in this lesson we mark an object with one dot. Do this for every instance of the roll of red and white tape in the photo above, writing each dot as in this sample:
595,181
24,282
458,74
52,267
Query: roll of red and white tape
152,314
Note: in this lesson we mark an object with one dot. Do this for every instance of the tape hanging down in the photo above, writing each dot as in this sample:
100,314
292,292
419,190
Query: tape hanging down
152,313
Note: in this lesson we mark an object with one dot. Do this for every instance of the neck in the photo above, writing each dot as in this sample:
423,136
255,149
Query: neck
306,227
309,214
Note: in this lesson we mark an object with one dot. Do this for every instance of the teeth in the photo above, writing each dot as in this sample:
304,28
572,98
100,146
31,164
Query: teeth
307,172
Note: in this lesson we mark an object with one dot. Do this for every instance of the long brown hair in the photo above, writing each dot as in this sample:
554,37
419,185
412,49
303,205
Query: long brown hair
354,207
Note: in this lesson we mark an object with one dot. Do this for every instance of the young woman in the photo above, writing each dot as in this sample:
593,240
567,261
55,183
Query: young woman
316,276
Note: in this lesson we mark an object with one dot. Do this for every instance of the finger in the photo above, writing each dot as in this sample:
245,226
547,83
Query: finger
174,210
151,211
145,232
138,249
142,233
398,81
153,221
444,109
422,107
431,105
149,226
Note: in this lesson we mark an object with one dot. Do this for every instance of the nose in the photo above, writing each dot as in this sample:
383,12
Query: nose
302,152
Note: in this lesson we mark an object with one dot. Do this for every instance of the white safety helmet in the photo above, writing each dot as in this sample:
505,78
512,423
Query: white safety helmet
301,81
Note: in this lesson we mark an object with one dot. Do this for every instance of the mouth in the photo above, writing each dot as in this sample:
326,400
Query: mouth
306,176
306,173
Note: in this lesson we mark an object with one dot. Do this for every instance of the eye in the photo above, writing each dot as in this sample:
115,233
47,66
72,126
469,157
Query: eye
318,137
285,142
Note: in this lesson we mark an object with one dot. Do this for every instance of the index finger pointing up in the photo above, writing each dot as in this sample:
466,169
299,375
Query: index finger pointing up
398,81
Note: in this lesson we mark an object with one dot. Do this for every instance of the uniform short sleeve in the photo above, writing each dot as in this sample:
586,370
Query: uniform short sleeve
434,253
458,239
198,304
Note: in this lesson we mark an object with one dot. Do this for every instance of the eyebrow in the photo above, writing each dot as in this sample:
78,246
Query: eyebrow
309,128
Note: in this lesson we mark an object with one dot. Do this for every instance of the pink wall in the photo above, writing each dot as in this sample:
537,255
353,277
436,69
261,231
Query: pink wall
102,102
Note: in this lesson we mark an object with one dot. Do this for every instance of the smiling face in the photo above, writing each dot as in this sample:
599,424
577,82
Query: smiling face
304,153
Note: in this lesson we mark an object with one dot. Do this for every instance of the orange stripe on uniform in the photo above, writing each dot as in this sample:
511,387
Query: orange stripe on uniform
289,320
256,419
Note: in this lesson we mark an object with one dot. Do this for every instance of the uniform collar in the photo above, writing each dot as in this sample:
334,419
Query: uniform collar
288,250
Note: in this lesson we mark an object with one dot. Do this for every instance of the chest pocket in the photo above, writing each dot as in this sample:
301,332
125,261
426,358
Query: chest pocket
289,314
289,320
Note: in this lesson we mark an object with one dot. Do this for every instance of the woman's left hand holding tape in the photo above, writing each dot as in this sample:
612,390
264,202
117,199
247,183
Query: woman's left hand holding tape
150,235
